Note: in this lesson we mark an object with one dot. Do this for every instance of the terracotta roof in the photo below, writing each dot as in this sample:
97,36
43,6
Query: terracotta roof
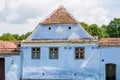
8,47
7,44
60,41
109,42
60,15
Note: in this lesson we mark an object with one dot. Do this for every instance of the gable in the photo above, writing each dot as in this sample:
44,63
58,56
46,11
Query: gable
60,25
59,32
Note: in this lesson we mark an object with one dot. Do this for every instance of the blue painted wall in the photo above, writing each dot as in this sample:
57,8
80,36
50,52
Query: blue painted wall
58,31
12,67
110,55
66,67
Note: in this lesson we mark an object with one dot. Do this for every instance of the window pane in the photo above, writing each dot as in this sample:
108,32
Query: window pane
53,53
33,49
79,53
35,53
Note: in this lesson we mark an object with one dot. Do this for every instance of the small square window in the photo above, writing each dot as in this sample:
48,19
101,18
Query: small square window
53,53
35,53
79,53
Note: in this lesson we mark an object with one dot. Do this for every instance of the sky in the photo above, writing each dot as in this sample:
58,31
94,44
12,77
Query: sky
22,16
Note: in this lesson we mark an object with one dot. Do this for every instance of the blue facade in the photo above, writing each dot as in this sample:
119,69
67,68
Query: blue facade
66,66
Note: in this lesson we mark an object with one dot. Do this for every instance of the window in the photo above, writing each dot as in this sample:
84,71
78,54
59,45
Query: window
35,53
53,53
69,27
79,53
18,46
49,28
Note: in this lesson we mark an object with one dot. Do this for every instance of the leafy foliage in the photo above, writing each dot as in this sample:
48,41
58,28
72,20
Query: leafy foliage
85,26
104,29
7,37
13,37
93,29
110,30
113,29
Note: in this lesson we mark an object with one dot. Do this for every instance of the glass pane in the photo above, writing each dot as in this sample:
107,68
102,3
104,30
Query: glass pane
53,53
35,53
79,53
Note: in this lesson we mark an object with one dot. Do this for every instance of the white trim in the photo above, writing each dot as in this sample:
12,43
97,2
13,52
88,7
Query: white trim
59,44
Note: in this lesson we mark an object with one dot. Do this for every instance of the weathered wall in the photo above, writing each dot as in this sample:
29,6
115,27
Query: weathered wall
66,67
12,66
110,55
58,31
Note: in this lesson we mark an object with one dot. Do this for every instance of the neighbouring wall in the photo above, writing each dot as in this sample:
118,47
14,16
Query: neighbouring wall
12,66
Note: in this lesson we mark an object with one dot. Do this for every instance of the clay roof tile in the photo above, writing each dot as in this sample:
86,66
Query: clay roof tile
109,42
60,16
8,47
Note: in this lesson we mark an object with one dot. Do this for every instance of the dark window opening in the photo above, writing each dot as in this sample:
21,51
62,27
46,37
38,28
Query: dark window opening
35,53
49,28
53,53
69,27
79,53
18,46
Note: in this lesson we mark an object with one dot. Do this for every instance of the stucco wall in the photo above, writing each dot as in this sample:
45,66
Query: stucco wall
12,66
58,31
66,67
110,55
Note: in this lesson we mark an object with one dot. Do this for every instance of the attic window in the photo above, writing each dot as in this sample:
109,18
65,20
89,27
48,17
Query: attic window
69,27
79,53
49,28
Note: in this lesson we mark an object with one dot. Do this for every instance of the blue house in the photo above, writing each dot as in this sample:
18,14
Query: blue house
60,49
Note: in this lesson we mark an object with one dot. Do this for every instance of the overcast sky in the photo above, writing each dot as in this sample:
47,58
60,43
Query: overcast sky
21,16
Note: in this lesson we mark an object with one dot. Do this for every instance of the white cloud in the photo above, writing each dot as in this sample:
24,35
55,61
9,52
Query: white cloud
90,12
97,15
18,28
12,17
2,5
33,8
22,12
12,4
